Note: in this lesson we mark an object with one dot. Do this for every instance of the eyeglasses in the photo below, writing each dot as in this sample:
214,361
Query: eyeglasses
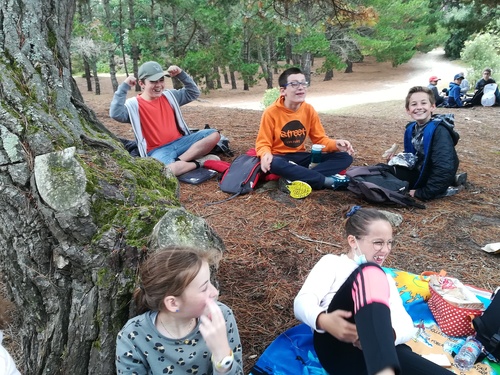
378,245
296,84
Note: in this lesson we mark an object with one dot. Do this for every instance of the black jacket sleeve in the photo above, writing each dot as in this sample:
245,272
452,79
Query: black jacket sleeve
440,167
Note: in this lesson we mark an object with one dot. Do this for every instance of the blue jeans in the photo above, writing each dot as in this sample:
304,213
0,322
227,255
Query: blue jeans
331,163
169,152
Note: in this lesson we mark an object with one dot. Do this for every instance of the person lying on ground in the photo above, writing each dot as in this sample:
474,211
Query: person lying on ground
284,128
359,321
431,139
156,118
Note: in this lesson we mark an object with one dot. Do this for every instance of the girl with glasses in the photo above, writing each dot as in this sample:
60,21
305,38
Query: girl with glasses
359,321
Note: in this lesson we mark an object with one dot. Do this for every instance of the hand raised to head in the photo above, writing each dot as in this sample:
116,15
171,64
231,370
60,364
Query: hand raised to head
174,70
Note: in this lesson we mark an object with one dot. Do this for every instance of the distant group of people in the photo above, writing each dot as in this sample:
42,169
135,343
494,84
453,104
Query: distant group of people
456,95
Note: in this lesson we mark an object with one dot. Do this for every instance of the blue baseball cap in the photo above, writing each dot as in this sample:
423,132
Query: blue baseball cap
458,76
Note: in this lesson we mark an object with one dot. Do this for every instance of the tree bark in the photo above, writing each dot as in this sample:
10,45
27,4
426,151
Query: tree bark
133,42
348,68
111,50
328,75
76,211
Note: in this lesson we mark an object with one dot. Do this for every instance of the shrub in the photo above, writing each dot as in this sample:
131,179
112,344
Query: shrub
270,95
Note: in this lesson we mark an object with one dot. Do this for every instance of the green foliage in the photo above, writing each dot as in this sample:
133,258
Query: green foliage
331,62
248,72
270,96
316,43
200,36
483,51
403,28
463,22
199,64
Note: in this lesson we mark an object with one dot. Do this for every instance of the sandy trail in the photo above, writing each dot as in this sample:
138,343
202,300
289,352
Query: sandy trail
339,93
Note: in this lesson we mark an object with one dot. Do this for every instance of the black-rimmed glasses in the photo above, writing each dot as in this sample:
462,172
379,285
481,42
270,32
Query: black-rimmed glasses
378,245
296,84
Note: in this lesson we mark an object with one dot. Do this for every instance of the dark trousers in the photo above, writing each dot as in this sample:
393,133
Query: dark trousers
331,163
373,322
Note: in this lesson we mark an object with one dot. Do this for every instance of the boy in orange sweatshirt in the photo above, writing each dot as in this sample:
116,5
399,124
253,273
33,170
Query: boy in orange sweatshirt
284,128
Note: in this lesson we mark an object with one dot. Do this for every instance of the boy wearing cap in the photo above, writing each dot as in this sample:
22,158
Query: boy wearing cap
157,122
433,81
454,100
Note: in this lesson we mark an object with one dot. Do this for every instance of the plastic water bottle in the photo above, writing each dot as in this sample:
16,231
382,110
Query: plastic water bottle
316,155
468,354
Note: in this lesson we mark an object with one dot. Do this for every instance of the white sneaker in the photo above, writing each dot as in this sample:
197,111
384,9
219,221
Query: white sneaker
207,157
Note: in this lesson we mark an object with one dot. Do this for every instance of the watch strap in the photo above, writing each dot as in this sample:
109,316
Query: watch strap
225,363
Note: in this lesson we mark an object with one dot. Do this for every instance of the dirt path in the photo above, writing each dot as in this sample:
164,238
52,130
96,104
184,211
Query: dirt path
364,85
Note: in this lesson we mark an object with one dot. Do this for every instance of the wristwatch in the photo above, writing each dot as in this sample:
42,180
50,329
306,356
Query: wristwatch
225,363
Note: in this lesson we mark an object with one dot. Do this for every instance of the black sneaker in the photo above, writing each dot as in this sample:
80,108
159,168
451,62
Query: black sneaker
460,179
340,182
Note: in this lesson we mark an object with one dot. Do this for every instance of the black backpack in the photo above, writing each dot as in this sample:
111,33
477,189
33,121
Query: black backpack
487,327
241,177
376,184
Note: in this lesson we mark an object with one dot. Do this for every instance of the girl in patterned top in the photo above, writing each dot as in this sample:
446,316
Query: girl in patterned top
182,328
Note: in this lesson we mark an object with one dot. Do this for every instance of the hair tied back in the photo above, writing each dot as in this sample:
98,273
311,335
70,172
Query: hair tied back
352,211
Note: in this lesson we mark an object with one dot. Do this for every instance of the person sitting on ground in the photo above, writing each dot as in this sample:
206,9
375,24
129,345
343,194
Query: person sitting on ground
431,139
181,327
464,85
284,128
359,321
454,98
433,81
7,364
156,118
485,80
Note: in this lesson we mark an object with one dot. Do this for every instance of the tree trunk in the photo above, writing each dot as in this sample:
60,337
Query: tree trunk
217,77
96,78
348,69
111,50
306,65
76,211
328,75
120,32
88,74
133,42
233,79
264,66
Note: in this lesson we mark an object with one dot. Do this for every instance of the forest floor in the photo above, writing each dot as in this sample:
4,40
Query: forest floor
272,241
